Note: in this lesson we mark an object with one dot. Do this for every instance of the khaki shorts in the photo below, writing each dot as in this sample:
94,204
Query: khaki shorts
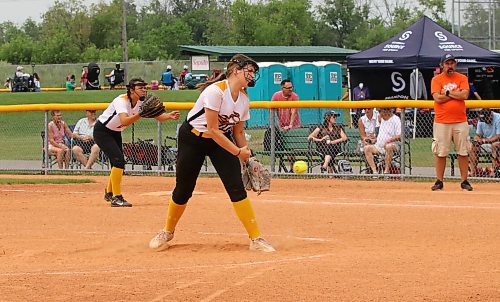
444,134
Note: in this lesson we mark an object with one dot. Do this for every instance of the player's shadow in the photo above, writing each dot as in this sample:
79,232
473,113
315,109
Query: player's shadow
206,247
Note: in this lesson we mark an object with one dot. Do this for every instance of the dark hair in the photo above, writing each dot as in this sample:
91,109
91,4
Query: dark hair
326,121
238,61
35,76
132,83
285,81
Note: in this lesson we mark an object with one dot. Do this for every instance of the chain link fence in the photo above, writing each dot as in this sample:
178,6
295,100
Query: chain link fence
151,147
54,75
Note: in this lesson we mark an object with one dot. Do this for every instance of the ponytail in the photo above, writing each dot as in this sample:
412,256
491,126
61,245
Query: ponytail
204,85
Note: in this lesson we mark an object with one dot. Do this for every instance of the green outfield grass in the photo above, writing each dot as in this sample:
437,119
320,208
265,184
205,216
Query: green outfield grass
21,131
57,181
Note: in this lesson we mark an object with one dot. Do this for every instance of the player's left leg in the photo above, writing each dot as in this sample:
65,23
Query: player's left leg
229,169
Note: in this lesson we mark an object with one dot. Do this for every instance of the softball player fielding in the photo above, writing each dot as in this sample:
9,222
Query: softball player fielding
121,113
214,128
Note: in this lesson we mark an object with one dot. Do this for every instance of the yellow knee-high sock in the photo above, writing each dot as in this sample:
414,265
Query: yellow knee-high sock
109,188
173,215
243,209
116,180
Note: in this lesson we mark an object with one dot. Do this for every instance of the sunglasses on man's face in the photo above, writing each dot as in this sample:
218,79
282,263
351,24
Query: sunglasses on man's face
287,87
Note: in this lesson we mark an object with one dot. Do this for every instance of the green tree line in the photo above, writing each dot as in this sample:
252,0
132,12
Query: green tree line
70,31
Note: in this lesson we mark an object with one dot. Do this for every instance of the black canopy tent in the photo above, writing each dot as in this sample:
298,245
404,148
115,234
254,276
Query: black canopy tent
387,68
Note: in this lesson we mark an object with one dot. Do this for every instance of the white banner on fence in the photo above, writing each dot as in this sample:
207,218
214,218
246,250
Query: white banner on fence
200,63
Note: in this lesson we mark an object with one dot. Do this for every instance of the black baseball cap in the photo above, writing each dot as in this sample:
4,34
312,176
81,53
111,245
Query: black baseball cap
447,57
330,113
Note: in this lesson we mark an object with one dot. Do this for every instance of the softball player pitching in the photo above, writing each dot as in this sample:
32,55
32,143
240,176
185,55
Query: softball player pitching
121,113
214,128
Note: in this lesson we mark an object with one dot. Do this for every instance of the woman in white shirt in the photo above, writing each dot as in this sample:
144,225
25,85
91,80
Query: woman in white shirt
214,128
121,113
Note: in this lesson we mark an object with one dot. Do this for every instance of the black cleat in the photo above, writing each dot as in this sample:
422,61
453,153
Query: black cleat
108,196
119,201
438,185
465,185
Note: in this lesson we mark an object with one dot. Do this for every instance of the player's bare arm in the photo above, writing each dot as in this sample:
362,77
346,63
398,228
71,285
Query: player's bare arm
127,120
172,115
218,136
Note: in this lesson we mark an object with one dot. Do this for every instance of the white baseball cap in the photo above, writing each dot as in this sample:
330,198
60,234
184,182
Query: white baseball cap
185,67
169,66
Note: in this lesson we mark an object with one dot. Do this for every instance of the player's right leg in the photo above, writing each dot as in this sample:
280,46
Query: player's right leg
191,154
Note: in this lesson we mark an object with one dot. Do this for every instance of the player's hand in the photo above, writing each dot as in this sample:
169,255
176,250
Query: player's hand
174,115
244,153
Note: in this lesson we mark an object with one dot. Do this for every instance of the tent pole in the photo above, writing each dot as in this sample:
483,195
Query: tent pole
416,99
350,96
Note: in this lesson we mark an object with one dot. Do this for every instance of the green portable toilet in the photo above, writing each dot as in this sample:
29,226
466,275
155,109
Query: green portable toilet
304,77
330,83
271,75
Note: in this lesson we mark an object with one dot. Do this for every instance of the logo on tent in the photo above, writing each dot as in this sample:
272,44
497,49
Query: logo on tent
406,35
440,36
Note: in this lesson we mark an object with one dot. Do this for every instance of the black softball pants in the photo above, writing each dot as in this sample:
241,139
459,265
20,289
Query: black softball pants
110,143
192,150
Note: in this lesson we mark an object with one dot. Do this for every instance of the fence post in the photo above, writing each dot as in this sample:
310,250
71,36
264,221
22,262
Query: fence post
273,138
402,165
158,127
46,142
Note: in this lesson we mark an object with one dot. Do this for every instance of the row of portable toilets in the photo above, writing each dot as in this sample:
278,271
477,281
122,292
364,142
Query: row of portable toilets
312,81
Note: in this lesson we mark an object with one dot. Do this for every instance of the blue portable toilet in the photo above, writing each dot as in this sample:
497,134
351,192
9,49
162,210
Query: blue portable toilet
304,77
271,75
330,83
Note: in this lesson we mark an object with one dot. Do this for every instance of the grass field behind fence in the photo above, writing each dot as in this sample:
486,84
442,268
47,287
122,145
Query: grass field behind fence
21,131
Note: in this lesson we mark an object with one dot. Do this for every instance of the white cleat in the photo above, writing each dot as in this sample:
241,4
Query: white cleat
161,239
260,244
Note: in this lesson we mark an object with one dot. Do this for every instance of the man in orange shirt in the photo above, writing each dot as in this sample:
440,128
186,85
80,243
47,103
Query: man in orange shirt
449,90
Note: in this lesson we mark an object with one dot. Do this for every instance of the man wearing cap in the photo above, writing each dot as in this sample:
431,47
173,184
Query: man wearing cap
449,90
167,78
182,75
487,138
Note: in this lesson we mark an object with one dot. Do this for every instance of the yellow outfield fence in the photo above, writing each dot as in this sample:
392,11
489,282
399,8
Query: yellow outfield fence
150,146
259,105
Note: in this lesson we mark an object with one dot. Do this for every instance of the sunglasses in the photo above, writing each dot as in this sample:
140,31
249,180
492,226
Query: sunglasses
290,87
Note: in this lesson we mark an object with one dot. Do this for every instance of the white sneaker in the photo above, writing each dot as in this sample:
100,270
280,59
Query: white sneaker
161,239
259,244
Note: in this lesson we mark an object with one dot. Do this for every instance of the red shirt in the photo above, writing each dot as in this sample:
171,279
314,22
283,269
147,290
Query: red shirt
284,114
452,111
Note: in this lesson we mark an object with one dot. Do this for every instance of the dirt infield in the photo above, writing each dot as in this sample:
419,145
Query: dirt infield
336,240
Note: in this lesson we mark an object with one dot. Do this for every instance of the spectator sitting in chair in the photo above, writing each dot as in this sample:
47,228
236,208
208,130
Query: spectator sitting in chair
387,142
83,135
367,126
168,79
328,137
115,77
70,83
57,145
8,84
487,139
19,72
182,75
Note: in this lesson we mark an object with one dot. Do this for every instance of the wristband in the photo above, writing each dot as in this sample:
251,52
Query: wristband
239,151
